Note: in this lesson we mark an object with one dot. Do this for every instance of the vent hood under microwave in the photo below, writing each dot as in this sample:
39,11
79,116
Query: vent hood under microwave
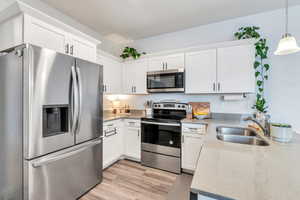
166,81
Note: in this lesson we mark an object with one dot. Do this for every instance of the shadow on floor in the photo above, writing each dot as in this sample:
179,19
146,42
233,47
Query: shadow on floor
181,188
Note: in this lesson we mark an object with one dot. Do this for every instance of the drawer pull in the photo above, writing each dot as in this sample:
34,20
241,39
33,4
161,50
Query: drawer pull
110,132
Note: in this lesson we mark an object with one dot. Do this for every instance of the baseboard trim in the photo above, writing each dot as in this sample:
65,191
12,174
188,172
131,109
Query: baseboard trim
122,157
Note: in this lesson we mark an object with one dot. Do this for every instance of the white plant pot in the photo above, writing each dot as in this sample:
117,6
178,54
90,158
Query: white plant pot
281,134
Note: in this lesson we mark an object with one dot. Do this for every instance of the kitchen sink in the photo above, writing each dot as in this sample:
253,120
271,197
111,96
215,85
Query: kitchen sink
240,135
235,131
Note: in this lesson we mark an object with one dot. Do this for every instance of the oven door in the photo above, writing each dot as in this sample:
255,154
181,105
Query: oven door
165,81
161,138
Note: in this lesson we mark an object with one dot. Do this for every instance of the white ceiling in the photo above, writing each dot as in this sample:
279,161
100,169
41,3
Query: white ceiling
136,19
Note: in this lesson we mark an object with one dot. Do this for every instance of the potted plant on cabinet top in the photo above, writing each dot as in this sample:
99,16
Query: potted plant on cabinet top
260,66
131,52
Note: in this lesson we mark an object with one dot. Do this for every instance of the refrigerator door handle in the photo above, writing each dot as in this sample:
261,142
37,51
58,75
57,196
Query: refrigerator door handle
80,97
74,109
64,156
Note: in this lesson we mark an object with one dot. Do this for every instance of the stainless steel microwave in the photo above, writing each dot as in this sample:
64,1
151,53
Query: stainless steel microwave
166,81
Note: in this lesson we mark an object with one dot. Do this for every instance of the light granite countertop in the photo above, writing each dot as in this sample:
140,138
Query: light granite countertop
135,115
245,172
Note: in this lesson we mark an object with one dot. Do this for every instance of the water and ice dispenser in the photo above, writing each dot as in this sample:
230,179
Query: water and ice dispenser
55,120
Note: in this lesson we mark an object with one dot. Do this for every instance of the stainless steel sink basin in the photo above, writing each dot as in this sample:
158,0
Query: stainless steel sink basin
235,131
250,140
240,135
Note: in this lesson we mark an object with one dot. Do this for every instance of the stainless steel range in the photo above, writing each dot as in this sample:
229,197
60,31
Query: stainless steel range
161,136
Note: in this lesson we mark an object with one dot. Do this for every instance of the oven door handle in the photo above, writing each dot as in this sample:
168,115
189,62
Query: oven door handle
162,124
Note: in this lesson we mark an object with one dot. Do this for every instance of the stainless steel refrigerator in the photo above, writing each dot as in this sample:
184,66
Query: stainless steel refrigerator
50,125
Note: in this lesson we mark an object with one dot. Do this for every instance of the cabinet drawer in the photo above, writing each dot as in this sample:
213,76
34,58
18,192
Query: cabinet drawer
194,128
133,123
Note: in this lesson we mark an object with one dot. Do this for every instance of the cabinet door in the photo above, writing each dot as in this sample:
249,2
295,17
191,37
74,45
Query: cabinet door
112,76
135,77
106,152
44,35
175,61
191,147
133,143
235,69
201,72
156,64
128,74
140,77
83,49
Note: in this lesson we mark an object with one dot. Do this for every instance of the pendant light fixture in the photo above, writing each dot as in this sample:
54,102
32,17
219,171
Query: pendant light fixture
288,43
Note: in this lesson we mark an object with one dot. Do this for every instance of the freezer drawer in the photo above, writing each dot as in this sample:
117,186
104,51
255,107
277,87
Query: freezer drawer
66,175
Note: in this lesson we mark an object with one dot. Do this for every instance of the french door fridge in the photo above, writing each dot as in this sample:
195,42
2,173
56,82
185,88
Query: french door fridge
56,110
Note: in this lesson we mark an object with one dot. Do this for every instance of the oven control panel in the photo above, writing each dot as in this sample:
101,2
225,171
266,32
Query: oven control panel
172,106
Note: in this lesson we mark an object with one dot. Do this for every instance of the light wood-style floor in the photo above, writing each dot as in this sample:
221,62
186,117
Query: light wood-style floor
128,180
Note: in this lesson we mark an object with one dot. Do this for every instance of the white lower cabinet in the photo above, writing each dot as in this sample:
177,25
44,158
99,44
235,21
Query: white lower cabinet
112,142
192,140
121,138
132,135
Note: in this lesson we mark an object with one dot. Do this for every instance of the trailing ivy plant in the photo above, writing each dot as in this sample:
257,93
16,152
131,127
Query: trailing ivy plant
260,65
131,52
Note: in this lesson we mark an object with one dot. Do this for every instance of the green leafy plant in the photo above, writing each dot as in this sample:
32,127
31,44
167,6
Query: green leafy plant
282,125
131,52
260,65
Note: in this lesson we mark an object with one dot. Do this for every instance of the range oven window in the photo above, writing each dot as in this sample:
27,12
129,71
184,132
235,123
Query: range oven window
163,135
165,81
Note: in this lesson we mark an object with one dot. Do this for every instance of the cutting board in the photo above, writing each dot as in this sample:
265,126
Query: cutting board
200,107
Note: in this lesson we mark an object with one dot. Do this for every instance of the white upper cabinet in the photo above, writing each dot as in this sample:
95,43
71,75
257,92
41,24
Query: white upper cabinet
174,61
38,33
156,64
236,73
135,77
201,71
222,70
112,75
27,29
81,48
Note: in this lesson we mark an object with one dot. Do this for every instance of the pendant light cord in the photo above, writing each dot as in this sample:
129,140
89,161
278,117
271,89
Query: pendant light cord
287,16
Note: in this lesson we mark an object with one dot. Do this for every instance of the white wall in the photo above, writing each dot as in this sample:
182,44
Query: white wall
283,88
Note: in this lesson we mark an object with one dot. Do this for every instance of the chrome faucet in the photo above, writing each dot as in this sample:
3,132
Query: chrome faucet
265,127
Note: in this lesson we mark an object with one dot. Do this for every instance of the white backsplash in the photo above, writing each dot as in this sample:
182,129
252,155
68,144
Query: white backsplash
217,103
